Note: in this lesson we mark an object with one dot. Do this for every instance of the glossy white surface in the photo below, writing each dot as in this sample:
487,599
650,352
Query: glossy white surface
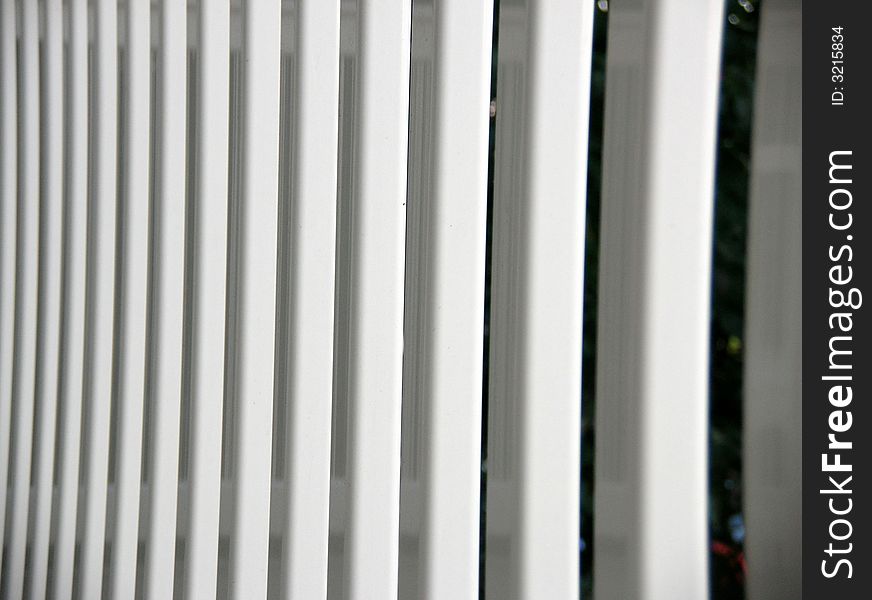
375,309
130,359
444,299
50,282
75,285
773,321
310,227
299,298
212,88
26,299
167,295
651,494
102,201
8,234
256,297
534,421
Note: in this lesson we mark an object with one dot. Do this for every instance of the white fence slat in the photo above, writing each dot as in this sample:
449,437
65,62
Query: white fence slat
131,355
100,294
406,505
312,277
376,320
26,290
258,212
444,313
49,311
651,493
210,272
773,321
8,219
73,342
536,316
168,242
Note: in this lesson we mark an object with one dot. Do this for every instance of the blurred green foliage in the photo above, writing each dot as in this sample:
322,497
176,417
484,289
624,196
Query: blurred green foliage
728,293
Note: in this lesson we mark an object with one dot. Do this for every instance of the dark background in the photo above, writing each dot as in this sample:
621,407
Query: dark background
825,129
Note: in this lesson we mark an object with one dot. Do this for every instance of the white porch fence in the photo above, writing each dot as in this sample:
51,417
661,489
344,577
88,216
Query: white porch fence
242,299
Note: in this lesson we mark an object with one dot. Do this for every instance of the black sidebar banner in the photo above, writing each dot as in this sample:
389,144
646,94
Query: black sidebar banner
837,262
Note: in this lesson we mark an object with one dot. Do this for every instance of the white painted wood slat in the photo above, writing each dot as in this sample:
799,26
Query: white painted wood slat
26,299
651,492
8,234
73,340
312,287
167,311
773,321
376,299
258,213
533,495
50,282
444,300
102,204
131,352
210,271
